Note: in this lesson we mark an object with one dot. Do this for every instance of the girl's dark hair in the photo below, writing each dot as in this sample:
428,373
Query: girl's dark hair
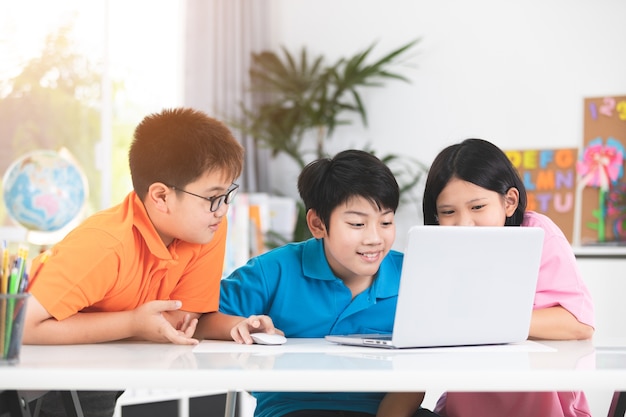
326,183
479,162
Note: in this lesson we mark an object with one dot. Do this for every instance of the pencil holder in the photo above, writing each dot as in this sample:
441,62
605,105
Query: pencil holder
12,313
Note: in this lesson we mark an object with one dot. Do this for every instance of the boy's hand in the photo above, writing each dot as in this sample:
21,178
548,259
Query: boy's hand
150,323
253,324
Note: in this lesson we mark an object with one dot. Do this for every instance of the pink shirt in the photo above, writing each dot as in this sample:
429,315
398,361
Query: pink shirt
559,283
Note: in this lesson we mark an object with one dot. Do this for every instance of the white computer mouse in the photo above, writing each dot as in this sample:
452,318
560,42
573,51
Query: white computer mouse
268,339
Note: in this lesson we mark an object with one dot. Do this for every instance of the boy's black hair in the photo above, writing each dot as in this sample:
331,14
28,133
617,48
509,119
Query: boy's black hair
326,183
177,146
479,162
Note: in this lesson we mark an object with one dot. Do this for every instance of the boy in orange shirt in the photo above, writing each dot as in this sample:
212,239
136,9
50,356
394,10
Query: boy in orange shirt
147,268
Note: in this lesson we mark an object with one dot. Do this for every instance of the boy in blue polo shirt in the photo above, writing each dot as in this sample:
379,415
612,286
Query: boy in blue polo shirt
343,280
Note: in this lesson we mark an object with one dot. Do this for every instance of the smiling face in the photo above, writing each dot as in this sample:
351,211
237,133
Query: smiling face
361,236
462,203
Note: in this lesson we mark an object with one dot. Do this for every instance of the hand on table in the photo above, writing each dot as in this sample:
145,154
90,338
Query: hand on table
153,321
253,324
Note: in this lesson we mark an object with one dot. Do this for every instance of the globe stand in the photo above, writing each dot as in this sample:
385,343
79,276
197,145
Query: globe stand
44,239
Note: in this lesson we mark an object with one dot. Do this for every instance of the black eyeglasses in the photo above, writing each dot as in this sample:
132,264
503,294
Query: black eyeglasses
215,202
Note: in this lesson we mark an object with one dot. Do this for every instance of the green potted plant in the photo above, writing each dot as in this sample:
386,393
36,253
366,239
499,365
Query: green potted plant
299,101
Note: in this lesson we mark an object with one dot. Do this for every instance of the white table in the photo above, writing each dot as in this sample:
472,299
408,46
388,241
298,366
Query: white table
316,365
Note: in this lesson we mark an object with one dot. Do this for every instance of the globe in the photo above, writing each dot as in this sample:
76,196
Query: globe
44,191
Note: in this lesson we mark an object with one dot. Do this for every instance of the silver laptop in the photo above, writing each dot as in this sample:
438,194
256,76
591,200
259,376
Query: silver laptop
462,286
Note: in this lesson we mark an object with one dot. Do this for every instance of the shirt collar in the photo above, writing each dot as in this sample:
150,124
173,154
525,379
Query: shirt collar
146,229
385,284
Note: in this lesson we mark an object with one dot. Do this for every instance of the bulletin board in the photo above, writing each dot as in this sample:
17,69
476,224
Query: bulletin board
549,176
601,171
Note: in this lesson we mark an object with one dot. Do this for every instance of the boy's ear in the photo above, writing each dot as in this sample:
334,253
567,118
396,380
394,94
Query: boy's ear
316,226
157,196
511,201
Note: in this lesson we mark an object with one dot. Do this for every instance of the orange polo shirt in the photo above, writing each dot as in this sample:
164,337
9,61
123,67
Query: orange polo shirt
116,261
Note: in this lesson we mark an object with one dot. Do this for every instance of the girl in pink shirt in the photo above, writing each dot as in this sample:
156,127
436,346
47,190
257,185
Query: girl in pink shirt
473,183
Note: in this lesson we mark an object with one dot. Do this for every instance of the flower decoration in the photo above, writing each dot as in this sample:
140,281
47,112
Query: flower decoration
601,164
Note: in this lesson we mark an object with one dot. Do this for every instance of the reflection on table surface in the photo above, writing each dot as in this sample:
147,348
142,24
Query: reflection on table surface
320,354
306,354
319,365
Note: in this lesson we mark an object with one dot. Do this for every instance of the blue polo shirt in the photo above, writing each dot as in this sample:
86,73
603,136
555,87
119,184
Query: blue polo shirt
295,286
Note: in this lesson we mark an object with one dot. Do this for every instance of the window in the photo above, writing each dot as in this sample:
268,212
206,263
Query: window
81,75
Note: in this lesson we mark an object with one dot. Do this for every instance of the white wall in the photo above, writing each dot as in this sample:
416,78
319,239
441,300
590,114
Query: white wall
606,279
515,73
